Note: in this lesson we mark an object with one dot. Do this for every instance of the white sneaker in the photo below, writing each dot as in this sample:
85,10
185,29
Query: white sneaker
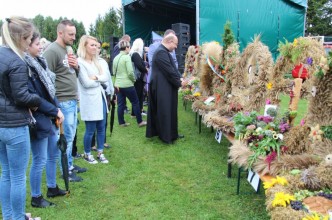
90,159
102,158
144,114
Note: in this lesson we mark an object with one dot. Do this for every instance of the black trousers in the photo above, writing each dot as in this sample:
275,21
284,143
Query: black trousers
139,87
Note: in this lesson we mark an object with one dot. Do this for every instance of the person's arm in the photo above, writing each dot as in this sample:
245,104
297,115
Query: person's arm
139,63
84,78
18,79
163,60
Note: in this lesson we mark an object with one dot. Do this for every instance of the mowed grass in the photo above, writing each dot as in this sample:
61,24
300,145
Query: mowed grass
147,179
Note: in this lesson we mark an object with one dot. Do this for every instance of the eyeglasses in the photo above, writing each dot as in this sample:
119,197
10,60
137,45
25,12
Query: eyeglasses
175,43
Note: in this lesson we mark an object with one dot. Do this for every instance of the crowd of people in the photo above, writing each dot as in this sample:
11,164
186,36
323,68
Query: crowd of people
42,87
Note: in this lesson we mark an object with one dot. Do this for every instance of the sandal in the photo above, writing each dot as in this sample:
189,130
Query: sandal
94,148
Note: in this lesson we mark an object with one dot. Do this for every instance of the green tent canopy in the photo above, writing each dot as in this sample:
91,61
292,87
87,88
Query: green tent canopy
275,20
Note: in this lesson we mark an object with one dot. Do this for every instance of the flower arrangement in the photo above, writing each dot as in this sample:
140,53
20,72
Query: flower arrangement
263,134
294,50
105,46
190,86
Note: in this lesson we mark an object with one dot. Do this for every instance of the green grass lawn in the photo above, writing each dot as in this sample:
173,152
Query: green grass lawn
147,179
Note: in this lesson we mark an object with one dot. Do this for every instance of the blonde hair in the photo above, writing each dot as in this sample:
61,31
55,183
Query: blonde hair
138,46
14,29
81,50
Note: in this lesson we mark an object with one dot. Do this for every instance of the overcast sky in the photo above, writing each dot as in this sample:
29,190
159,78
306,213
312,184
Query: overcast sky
82,11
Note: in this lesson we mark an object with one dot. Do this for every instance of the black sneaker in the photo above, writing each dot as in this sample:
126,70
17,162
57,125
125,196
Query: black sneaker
40,202
54,192
74,178
78,169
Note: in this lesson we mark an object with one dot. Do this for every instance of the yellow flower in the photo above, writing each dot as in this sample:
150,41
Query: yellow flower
269,184
269,86
315,216
295,42
105,45
196,94
273,181
282,199
282,181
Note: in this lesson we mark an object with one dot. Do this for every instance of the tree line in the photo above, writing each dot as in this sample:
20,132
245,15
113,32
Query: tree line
318,23
105,26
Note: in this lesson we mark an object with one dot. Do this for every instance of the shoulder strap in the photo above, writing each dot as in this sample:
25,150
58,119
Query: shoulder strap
116,69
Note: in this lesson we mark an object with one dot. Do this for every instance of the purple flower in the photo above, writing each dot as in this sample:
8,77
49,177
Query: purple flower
260,117
309,61
266,119
283,127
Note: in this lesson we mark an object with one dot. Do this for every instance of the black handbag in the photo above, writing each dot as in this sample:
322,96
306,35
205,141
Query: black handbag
32,127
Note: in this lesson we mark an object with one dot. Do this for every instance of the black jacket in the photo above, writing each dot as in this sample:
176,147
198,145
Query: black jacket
116,51
139,64
15,98
48,108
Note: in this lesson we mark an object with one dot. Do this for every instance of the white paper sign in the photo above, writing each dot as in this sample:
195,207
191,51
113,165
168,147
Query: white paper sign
218,136
209,100
253,179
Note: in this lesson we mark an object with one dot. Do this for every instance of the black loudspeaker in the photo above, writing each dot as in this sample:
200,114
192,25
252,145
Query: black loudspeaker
182,32
113,42
180,28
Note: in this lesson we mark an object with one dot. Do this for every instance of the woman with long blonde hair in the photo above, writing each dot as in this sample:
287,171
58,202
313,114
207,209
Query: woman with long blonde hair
15,101
92,97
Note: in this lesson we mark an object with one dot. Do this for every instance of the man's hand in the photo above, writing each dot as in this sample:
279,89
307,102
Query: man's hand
72,61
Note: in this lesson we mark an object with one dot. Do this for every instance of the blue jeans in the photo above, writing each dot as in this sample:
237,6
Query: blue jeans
14,158
69,110
131,94
90,128
44,152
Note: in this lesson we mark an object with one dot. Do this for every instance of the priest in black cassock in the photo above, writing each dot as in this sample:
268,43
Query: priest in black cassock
164,84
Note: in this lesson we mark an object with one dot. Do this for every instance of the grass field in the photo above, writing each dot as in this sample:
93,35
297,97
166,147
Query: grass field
147,179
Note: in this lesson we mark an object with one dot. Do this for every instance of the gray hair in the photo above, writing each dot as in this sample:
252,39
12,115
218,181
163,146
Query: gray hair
124,44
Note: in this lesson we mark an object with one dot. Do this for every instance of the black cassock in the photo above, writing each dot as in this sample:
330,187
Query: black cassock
163,97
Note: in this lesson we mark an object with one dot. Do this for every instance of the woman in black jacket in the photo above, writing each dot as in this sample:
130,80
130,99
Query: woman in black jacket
140,70
44,144
15,101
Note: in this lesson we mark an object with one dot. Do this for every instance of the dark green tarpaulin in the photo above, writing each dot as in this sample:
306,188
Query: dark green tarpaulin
275,20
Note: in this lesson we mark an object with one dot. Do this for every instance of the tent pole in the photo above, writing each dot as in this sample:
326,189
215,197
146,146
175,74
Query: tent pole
123,21
197,22
305,19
